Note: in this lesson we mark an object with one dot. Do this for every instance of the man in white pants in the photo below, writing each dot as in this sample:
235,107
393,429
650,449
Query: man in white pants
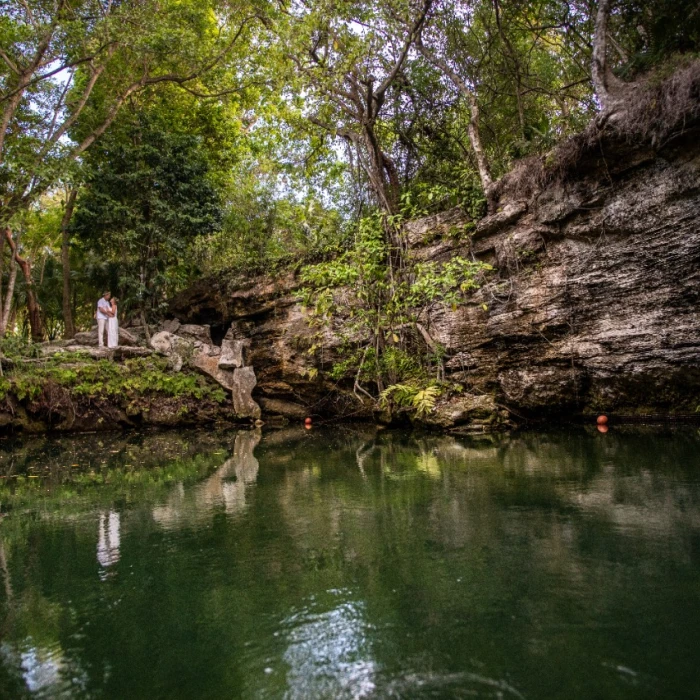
104,311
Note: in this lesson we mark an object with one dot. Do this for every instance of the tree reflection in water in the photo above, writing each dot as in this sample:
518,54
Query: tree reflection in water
351,563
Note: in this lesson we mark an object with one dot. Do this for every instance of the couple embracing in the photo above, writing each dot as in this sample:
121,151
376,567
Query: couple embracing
106,315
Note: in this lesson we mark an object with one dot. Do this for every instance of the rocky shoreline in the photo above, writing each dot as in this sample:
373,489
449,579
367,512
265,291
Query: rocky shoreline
592,307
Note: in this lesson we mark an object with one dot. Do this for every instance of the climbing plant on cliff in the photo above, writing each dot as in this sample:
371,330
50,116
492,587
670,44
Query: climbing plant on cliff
383,305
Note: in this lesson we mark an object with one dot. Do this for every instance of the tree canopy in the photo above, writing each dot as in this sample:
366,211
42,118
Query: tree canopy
144,143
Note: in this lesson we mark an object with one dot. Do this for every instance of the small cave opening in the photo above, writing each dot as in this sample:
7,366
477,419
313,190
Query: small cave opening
218,332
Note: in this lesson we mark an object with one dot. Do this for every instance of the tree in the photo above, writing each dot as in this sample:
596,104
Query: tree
348,60
147,195
67,68
67,305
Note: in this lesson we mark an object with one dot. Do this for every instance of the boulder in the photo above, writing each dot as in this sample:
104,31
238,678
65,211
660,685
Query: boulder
90,337
209,365
172,325
474,410
119,353
162,342
288,409
202,356
86,337
89,350
244,382
124,352
232,353
139,332
195,332
127,337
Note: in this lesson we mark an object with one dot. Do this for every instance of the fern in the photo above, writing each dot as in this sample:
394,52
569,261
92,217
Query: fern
424,400
400,394
421,399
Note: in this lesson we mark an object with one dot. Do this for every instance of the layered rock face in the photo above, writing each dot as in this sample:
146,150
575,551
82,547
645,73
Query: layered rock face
593,305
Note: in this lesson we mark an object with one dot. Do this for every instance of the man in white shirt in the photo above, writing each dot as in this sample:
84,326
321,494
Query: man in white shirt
104,311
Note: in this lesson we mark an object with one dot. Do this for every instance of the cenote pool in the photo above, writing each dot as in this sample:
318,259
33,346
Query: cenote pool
351,563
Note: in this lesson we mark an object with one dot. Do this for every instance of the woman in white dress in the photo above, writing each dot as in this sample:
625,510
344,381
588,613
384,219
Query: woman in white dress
113,326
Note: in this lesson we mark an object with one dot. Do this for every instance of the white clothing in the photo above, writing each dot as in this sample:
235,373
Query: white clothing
101,324
103,304
108,539
112,332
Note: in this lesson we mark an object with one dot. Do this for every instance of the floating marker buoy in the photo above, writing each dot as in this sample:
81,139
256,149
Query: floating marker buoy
308,422
602,420
603,428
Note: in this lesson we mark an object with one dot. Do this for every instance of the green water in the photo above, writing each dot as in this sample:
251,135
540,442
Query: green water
349,563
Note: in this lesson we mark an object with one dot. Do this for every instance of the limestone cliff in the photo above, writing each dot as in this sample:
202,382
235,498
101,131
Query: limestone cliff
593,306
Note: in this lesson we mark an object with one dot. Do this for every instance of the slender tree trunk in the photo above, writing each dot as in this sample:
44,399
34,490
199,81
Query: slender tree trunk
65,262
2,270
482,162
33,309
9,294
383,179
144,323
608,88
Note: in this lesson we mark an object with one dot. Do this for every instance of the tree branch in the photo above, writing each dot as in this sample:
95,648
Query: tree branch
412,34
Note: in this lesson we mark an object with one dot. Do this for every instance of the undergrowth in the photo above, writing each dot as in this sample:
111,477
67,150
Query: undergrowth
104,378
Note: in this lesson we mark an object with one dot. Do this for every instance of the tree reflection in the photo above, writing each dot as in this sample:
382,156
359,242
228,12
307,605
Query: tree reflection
226,487
357,563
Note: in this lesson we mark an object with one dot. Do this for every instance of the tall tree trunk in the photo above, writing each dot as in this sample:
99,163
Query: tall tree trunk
608,88
482,162
65,262
9,294
382,174
6,301
2,270
33,309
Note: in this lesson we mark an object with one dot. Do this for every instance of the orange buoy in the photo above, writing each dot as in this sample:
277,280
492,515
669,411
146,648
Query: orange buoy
308,422
603,428
602,420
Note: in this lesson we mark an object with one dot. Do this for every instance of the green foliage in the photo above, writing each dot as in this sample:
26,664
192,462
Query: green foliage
129,381
401,364
148,195
17,346
381,301
421,399
447,283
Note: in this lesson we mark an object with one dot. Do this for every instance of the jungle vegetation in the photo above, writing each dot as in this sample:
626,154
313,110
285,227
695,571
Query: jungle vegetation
146,143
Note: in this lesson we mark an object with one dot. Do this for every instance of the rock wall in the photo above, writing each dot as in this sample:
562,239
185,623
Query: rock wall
593,305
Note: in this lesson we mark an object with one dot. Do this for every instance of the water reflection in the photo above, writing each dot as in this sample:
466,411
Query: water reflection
328,652
108,540
353,564
225,488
